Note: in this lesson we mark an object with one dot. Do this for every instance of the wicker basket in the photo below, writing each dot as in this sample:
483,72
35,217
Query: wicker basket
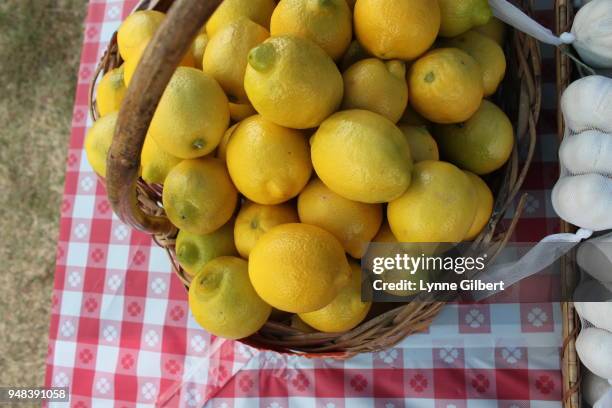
139,204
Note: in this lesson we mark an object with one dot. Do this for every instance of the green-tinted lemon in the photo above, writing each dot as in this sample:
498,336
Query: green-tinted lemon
292,82
377,86
362,156
199,196
192,115
328,23
481,145
223,301
439,206
110,92
458,16
422,144
98,141
225,58
197,49
156,163
194,251
495,29
484,198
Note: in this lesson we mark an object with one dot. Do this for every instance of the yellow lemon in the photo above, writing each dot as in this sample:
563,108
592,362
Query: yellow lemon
446,86
98,141
487,53
254,220
223,301
136,30
439,206
484,199
197,49
156,163
413,118
495,29
225,58
298,268
268,163
194,251
377,86
110,92
328,23
241,111
131,64
354,53
397,29
352,222
222,148
422,144
192,115
481,145
458,16
362,156
258,11
292,82
199,196
346,310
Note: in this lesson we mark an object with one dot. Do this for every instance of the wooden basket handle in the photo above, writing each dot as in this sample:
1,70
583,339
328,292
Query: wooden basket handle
166,49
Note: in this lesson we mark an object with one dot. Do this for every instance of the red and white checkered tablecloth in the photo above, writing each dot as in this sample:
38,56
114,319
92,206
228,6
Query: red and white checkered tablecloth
121,333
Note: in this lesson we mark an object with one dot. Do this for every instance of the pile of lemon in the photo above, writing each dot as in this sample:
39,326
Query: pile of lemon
296,132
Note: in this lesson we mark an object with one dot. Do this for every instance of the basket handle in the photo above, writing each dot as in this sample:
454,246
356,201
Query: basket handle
160,59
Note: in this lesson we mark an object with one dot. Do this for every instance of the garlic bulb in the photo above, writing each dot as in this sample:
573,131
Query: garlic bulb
587,152
584,200
593,30
594,347
587,104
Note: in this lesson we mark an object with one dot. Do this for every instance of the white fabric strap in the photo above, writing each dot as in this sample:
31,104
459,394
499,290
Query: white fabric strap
513,16
606,400
542,255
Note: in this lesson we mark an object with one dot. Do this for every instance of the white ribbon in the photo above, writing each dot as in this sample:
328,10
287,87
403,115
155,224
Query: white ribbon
606,400
515,17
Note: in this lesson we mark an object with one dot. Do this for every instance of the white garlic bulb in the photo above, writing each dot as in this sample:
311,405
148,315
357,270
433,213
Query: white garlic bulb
584,200
587,104
593,30
587,152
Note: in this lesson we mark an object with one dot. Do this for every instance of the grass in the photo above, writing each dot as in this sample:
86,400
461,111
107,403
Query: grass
39,55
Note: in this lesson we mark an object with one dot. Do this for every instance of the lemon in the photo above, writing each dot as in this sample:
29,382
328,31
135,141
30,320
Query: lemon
225,58
413,118
439,206
352,222
136,30
197,49
481,145
446,86
292,82
458,16
362,156
422,144
397,29
241,111
199,196
346,310
155,162
298,268
254,220
328,23
495,29
98,141
268,163
258,11
222,148
377,86
194,251
384,234
354,53
131,64
223,301
484,199
487,53
192,115
110,92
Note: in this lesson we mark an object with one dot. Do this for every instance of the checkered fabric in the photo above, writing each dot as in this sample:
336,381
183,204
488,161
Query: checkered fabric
121,334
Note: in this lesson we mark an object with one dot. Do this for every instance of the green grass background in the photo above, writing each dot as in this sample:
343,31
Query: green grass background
40,43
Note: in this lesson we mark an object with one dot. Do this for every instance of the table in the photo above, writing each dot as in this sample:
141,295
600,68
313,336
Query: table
121,333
